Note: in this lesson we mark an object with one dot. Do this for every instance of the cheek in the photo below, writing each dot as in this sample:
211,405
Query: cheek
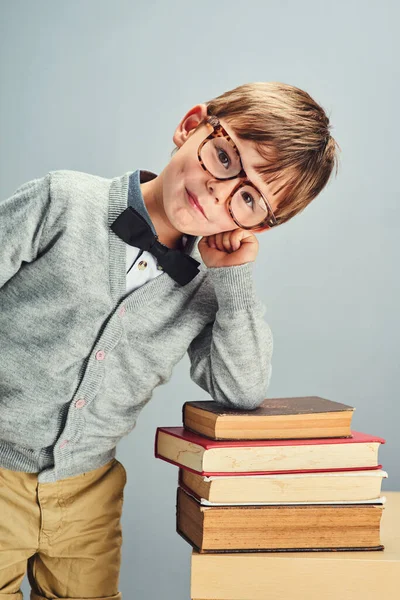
178,174
181,173
172,176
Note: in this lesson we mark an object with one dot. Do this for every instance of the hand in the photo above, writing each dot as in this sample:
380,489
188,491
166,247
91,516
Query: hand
228,248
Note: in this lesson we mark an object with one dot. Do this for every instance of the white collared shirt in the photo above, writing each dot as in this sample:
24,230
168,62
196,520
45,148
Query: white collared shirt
141,266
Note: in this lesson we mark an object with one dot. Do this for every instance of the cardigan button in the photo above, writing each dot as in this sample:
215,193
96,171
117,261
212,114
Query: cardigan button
79,403
100,355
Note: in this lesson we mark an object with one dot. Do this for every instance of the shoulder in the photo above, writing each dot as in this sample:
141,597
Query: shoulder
65,181
78,195
76,200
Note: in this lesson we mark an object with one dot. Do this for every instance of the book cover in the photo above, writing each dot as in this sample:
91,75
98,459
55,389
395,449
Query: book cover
274,406
206,443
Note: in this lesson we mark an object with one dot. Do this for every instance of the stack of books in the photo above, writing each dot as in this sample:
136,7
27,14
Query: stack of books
288,476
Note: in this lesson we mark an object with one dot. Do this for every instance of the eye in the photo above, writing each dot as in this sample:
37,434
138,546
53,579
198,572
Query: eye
223,158
248,199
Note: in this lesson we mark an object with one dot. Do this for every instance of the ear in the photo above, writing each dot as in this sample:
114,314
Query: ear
189,123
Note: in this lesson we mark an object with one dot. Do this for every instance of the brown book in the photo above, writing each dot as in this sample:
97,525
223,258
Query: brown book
276,418
278,528
324,487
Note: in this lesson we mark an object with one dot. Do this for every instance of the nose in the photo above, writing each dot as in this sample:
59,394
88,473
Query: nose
221,189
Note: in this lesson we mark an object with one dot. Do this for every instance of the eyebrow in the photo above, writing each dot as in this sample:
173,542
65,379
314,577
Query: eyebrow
260,165
266,195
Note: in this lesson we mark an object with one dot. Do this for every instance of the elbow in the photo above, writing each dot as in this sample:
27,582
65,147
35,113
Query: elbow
248,398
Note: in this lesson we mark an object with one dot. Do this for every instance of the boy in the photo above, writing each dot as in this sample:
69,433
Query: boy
95,311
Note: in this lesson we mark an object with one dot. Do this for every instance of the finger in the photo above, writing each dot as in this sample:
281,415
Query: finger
218,242
212,242
226,241
246,236
206,241
236,237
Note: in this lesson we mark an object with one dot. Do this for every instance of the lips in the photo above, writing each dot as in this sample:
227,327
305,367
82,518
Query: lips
193,200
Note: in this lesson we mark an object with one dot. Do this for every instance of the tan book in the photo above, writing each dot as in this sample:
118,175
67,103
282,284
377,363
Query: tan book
305,575
278,528
328,486
276,418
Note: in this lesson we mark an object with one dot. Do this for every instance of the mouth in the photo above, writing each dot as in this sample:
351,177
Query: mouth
195,203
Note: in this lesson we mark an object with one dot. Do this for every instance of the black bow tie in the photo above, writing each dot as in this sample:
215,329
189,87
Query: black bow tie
133,229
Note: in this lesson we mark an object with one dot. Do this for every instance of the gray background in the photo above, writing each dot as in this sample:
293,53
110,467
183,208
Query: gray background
99,86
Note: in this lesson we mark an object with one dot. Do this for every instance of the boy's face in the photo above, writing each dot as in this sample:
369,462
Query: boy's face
184,177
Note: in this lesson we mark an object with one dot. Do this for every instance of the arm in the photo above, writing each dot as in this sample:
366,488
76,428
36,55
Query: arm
22,219
231,357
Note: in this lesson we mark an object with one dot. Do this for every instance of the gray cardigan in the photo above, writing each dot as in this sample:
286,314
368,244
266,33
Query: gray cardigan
80,356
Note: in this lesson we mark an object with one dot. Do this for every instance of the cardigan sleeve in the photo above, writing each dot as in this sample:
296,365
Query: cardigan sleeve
231,357
22,219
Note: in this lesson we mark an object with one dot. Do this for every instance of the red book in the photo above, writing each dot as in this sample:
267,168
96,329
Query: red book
208,457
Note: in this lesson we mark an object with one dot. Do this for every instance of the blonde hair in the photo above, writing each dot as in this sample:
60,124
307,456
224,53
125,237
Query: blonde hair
291,133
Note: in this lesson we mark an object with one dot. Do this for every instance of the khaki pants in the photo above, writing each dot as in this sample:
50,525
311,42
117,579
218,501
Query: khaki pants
66,534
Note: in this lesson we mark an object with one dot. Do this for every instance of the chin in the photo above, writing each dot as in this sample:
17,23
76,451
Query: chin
195,232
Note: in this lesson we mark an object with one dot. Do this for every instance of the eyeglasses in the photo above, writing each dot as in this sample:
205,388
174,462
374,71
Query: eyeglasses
219,156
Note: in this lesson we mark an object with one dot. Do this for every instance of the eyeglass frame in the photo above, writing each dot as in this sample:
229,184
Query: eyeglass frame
219,131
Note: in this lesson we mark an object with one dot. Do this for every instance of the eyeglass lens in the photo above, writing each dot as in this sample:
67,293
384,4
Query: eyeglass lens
222,161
